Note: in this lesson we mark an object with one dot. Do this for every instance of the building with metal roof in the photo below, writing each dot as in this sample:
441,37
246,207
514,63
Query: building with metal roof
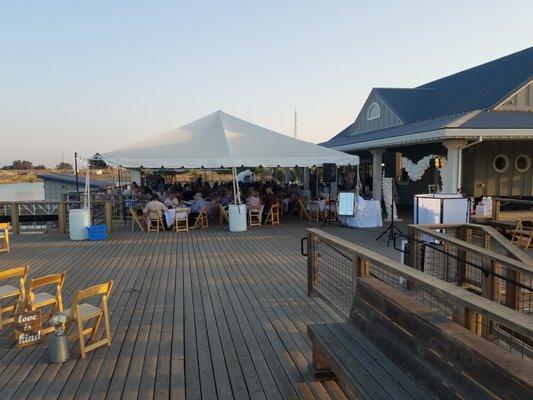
480,120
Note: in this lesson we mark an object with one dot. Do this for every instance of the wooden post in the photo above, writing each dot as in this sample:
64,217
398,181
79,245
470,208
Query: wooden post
495,209
121,206
414,249
461,255
15,224
109,216
363,267
311,264
62,217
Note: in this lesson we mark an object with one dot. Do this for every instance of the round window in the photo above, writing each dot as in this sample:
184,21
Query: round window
501,163
522,163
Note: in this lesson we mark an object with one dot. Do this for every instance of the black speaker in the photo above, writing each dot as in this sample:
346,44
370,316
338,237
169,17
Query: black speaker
393,164
329,172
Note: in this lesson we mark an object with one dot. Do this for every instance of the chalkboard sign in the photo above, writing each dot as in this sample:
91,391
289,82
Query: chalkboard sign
346,203
28,328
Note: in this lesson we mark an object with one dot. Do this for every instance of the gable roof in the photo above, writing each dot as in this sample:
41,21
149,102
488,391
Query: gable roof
479,88
446,100
405,103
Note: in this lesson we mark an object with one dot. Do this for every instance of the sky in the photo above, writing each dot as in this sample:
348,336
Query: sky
92,76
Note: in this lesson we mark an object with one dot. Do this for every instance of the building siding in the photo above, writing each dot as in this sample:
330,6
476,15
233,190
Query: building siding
521,100
387,118
481,179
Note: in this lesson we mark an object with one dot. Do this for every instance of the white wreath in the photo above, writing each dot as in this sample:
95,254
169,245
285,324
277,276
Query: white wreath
415,173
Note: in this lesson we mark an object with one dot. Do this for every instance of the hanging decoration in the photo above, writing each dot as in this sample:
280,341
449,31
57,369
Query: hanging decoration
386,187
414,171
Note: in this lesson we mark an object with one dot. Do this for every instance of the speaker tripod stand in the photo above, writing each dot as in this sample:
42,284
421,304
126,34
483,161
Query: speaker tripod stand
392,229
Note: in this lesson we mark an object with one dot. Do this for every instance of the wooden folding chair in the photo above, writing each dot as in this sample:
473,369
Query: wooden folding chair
136,219
523,234
273,214
10,291
254,216
181,220
223,215
4,237
154,222
314,211
82,312
201,220
41,299
303,210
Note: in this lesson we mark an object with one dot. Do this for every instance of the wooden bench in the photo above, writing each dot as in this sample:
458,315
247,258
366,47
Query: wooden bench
394,347
341,351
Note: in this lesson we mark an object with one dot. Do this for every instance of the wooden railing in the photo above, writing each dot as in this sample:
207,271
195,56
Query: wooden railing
334,266
50,216
506,209
476,258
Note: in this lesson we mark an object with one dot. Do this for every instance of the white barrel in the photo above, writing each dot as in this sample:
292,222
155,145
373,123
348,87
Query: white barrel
79,221
237,217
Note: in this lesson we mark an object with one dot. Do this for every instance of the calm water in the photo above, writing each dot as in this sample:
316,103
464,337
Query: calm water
22,191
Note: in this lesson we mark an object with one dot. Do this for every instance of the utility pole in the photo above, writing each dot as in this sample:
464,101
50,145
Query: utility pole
76,172
295,123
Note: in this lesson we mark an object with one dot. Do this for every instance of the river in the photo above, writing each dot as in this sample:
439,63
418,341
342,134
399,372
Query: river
22,191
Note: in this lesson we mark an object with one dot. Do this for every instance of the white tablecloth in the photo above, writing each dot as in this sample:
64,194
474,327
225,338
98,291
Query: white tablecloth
367,215
169,215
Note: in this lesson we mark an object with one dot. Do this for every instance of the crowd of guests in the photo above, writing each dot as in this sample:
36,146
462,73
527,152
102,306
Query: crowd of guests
198,194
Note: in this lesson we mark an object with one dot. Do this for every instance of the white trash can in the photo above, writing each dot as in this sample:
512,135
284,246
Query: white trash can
237,217
79,221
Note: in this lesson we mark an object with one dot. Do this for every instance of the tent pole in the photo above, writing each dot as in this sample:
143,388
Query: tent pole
236,191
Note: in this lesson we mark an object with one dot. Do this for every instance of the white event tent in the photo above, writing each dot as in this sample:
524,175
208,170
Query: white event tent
221,140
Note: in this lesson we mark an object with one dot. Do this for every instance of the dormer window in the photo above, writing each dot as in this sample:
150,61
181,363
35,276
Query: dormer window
374,112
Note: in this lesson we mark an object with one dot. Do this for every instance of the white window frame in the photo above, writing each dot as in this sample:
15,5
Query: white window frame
501,171
528,159
370,108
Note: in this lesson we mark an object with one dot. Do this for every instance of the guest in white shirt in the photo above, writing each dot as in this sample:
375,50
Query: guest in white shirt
155,205
171,201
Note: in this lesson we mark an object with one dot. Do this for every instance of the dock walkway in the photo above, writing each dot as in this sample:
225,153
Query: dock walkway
201,315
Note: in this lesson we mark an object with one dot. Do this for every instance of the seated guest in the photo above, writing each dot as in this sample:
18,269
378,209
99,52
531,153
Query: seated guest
227,198
197,206
155,205
270,200
135,189
254,202
171,201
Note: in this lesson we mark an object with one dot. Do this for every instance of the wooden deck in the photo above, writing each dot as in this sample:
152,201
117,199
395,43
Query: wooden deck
200,315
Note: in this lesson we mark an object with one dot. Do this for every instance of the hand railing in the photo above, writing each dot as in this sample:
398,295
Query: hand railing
50,216
334,266
507,209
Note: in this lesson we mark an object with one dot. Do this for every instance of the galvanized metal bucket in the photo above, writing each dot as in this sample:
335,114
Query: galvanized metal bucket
58,348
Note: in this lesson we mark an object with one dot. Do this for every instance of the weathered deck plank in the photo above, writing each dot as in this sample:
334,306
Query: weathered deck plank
206,314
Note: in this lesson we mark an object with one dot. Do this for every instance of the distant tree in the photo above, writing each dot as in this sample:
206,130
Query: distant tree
21,164
41,166
64,165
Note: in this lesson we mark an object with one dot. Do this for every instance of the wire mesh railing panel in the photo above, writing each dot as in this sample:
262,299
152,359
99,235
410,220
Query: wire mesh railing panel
472,268
512,209
335,276
337,269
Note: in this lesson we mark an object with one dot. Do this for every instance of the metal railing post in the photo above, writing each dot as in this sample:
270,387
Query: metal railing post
109,216
311,264
15,221
62,217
